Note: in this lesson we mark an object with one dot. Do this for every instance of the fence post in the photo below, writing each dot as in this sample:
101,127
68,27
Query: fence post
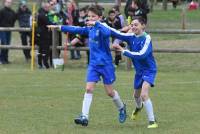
55,42
183,17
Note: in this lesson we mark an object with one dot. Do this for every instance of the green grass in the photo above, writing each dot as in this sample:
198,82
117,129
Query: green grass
46,101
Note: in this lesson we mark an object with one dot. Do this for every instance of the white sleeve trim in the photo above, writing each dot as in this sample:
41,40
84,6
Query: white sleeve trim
117,31
144,49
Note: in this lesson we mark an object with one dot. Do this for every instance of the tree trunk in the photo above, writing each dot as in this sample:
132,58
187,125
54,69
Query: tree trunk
151,3
39,3
118,2
165,5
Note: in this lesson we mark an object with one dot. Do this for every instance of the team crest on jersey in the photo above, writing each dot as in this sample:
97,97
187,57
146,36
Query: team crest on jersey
97,33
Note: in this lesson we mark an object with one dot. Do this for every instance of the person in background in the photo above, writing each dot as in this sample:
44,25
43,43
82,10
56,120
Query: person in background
7,19
116,8
141,8
23,16
45,37
114,21
80,40
73,15
127,8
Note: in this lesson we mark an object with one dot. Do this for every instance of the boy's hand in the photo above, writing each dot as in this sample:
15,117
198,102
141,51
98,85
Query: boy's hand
51,27
90,23
118,47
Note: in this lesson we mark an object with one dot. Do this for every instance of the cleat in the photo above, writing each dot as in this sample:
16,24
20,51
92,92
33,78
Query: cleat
81,120
152,124
134,115
122,114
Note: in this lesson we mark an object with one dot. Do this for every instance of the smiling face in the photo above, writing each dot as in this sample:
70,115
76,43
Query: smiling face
137,27
93,17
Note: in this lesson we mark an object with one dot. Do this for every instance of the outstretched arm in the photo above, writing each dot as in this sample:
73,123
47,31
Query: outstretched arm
117,34
102,27
70,29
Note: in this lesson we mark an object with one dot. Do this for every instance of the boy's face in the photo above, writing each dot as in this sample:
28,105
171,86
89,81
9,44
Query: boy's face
82,13
93,17
134,5
137,27
112,16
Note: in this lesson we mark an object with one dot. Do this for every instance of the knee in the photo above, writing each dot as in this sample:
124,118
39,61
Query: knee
144,96
110,93
89,90
136,96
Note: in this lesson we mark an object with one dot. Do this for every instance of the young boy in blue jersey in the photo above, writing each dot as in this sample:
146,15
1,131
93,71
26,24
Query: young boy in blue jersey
100,65
141,53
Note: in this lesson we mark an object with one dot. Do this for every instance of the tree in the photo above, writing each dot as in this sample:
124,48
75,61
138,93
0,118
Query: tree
118,2
165,5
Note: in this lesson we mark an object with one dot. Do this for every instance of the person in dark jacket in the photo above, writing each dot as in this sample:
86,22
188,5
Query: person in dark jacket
127,7
7,19
23,16
45,37
141,8
114,21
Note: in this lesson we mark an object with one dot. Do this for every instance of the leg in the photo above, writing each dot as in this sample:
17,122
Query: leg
138,102
5,40
117,101
83,118
148,104
40,57
24,36
45,56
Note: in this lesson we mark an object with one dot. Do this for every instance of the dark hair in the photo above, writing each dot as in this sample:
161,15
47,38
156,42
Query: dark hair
116,7
111,11
140,19
96,9
84,9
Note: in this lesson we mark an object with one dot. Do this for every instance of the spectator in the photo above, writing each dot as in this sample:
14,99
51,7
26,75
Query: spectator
45,37
73,15
140,8
114,21
7,19
118,14
80,40
174,3
127,7
23,16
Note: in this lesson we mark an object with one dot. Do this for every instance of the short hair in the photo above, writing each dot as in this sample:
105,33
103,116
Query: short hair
111,11
116,7
96,9
140,19
84,9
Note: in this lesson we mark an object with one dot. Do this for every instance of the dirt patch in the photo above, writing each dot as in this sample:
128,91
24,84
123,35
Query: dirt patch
191,43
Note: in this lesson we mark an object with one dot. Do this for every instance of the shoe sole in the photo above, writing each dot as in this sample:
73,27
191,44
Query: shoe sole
78,122
153,126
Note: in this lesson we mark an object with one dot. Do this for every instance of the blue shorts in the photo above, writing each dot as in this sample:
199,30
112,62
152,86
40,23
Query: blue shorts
107,72
144,76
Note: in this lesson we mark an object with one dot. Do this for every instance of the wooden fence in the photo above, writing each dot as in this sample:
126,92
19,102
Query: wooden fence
55,42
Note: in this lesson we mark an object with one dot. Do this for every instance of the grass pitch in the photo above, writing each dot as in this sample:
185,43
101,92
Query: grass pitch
46,101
